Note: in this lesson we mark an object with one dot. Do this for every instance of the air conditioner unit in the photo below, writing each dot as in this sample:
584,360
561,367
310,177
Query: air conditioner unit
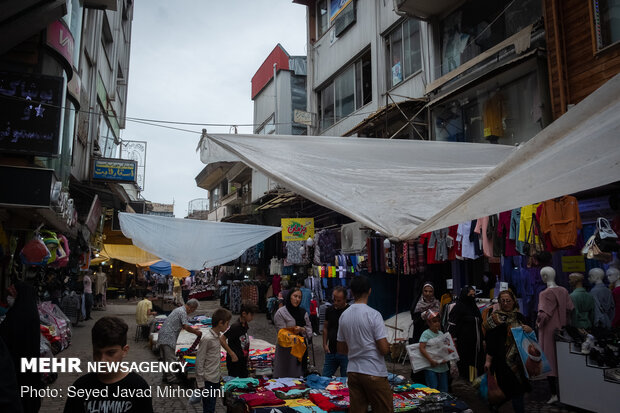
353,238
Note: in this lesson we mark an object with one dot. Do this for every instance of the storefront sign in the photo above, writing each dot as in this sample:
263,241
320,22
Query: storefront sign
94,215
30,110
336,6
297,229
117,170
573,263
59,38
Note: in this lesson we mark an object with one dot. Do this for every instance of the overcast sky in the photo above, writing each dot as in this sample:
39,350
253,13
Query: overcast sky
192,61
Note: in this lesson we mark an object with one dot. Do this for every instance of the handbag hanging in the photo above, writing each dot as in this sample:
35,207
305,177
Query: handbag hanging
531,247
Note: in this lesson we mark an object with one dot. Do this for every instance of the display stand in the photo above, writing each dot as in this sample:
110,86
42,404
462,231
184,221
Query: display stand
583,385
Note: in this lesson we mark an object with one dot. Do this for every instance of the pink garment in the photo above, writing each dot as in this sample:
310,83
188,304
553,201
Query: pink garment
88,285
616,294
554,309
487,243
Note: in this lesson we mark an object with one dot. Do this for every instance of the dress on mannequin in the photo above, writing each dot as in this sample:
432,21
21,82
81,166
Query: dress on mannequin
554,309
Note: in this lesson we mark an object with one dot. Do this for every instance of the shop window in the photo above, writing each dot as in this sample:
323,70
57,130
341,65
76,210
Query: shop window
508,113
606,22
403,52
350,90
481,24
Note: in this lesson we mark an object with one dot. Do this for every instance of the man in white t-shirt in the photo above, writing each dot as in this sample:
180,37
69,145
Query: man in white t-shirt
361,335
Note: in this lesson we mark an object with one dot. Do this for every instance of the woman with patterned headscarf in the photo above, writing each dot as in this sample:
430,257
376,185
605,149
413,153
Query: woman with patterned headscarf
503,358
427,301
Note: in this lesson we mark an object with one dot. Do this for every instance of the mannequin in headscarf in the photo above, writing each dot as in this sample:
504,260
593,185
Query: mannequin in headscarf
291,316
20,332
427,301
503,357
466,330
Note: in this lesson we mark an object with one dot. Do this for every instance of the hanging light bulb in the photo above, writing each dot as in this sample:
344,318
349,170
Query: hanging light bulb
386,243
309,242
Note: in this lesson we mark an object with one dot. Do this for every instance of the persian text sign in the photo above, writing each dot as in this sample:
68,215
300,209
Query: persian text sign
30,113
574,263
297,229
115,170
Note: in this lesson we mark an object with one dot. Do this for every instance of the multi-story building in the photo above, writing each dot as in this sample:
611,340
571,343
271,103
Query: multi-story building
367,69
63,91
583,47
471,71
278,91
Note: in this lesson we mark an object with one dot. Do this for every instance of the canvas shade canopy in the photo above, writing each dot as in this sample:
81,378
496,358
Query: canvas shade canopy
192,244
166,268
126,253
405,188
577,152
391,186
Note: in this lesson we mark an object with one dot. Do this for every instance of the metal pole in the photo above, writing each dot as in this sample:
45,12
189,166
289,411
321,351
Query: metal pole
275,98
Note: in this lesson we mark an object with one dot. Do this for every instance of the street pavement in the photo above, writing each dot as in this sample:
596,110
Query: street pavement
260,328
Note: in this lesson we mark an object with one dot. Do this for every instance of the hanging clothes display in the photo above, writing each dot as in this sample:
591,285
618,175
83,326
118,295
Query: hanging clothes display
525,224
482,226
507,243
560,219
295,252
439,241
467,245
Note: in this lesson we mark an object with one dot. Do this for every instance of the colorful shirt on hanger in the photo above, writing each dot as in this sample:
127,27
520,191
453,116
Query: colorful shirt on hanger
482,224
525,226
560,219
504,228
467,246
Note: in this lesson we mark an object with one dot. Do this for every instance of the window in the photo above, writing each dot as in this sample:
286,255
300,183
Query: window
403,52
106,138
106,38
337,13
606,22
267,128
322,17
350,90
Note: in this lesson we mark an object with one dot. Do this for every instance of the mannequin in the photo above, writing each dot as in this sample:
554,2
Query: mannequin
583,315
604,310
613,274
101,285
554,309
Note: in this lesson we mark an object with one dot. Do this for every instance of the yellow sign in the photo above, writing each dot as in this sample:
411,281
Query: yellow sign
574,263
297,229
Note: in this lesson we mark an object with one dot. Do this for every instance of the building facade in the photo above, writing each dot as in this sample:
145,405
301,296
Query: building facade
63,92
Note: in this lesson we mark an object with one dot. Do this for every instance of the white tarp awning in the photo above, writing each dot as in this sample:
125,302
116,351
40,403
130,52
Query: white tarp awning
192,244
391,186
404,188
579,151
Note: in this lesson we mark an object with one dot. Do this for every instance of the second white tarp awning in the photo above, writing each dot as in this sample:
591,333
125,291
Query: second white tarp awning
391,186
192,244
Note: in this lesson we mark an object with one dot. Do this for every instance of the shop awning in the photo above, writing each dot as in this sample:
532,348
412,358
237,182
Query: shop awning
192,244
391,186
126,253
405,188
577,152
165,268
